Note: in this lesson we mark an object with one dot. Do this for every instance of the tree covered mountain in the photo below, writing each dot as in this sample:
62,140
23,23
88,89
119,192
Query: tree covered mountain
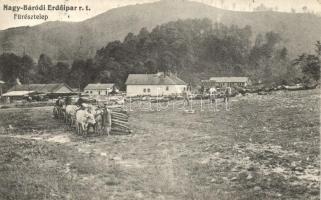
66,41
195,49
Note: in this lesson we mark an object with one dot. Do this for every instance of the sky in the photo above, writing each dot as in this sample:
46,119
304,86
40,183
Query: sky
8,20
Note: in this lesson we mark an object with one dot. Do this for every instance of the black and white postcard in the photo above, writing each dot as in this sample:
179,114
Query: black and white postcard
160,99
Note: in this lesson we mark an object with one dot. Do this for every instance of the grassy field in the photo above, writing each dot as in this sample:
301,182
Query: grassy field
265,147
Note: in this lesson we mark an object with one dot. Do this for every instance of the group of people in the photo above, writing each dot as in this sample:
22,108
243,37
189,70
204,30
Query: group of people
213,95
63,102
226,97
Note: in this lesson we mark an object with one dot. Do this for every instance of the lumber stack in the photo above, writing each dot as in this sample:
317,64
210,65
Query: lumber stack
119,120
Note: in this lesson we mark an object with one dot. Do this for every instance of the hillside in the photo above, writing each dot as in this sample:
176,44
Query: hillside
70,40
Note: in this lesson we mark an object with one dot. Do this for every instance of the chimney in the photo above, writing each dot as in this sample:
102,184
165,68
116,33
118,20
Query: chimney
18,81
160,74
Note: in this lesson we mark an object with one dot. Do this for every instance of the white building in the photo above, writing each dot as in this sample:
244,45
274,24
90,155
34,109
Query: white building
154,85
101,89
227,82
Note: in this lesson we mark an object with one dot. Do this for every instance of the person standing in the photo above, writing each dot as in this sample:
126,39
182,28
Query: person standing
228,93
68,100
213,95
185,97
80,101
106,120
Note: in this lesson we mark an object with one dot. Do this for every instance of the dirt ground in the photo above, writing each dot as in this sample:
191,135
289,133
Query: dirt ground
265,147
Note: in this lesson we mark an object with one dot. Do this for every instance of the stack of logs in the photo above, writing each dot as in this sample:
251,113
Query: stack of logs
119,119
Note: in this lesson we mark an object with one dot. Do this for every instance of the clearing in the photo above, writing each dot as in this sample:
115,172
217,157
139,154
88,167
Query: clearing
266,147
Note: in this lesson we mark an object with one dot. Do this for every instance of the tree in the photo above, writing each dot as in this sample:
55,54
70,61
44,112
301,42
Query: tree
167,62
77,74
150,65
192,48
13,67
310,65
27,68
267,60
104,76
59,72
44,68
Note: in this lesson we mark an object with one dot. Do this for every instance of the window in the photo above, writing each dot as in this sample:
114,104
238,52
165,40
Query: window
144,90
148,90
91,92
106,92
167,88
184,89
98,92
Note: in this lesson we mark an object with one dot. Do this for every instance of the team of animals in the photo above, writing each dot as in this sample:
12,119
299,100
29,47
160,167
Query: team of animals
85,117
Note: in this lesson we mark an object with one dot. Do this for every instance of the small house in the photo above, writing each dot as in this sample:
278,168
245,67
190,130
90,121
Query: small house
101,89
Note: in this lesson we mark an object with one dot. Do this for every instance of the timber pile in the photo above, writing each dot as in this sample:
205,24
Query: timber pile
119,119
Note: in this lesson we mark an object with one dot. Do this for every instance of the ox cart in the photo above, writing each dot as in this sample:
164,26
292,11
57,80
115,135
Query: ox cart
111,118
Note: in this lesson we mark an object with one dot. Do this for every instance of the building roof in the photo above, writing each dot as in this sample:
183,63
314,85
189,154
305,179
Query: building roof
153,79
17,93
99,86
43,88
229,79
75,89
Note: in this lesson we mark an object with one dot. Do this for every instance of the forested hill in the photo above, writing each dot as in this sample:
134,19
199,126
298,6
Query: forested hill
195,49
65,41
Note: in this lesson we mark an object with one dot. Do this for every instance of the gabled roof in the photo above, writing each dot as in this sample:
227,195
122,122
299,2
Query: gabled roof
229,79
75,89
17,93
99,86
43,88
153,79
